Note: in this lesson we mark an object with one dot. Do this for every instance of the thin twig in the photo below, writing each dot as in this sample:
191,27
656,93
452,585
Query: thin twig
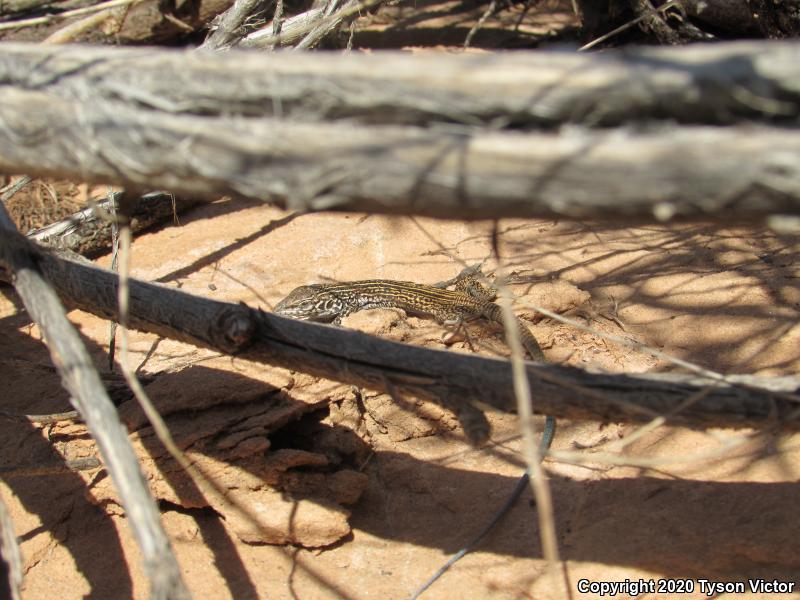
486,14
112,325
205,483
538,479
584,458
624,27
659,421
639,346
745,401
72,31
12,188
46,419
325,28
315,18
277,18
229,26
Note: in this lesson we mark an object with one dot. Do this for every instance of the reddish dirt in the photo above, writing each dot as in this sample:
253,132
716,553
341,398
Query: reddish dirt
726,299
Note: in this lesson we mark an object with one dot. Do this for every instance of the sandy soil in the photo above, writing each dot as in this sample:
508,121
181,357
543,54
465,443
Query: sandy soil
391,488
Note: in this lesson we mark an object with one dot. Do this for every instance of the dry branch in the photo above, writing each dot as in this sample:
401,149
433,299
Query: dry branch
707,84
229,27
449,378
201,126
85,232
89,396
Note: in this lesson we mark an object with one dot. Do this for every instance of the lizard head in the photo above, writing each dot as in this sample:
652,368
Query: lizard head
310,303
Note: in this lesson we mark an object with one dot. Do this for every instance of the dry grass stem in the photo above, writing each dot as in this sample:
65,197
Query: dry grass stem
538,479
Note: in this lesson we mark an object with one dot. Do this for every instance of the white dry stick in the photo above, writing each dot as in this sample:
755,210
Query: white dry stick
582,458
640,347
300,25
161,429
538,480
69,32
204,483
12,188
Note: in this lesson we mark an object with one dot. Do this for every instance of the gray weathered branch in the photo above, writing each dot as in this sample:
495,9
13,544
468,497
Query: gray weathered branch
707,84
89,396
449,378
229,27
207,126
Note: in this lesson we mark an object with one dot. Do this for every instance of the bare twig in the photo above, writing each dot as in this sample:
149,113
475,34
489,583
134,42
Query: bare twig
312,25
277,19
288,31
12,188
229,27
206,484
624,27
634,345
613,459
115,223
71,32
70,415
476,27
538,478
327,25
91,230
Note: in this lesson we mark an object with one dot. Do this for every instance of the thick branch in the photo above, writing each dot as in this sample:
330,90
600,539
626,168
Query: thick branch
697,172
87,392
451,379
707,84
164,119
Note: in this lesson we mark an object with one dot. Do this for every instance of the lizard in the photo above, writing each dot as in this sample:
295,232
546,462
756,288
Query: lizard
331,302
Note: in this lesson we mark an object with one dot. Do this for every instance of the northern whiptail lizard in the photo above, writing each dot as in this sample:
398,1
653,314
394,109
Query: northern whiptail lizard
330,303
